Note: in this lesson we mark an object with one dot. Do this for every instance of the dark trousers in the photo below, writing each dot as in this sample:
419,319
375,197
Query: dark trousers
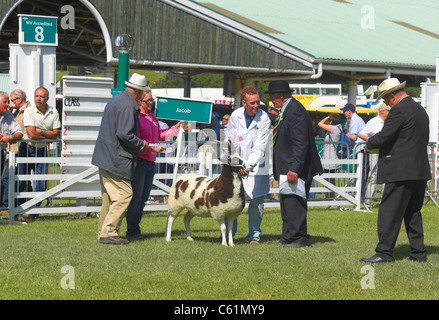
294,213
400,201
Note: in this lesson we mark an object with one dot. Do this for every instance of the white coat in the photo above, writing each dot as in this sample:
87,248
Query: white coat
252,143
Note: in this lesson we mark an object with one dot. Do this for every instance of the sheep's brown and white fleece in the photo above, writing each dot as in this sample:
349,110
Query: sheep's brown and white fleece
207,197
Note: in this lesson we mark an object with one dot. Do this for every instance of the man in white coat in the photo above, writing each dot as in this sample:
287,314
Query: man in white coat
248,130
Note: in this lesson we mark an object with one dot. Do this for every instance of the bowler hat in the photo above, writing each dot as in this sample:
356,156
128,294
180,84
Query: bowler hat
278,86
388,86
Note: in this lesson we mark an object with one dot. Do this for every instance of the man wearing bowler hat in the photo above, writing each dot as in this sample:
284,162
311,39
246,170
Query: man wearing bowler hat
403,166
115,154
295,156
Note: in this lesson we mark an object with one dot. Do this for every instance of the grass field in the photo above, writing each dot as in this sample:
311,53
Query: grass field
33,256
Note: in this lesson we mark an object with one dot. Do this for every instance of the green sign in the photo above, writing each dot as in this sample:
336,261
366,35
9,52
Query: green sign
38,30
184,109
116,91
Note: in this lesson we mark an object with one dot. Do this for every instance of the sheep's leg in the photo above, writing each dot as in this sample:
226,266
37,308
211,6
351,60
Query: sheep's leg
223,233
187,221
169,224
230,226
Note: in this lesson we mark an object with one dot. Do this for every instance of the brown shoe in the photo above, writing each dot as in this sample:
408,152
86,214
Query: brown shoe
113,240
254,241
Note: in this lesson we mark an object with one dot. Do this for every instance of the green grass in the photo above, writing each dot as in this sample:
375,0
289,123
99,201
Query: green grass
32,256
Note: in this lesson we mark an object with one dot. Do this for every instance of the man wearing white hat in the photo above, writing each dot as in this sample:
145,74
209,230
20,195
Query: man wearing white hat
403,166
115,154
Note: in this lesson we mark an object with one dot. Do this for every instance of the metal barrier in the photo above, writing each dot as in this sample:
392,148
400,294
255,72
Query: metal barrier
341,188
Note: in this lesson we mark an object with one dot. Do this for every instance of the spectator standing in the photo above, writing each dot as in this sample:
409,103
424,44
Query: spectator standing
225,121
41,122
17,106
115,154
151,132
356,124
333,133
373,126
404,167
10,132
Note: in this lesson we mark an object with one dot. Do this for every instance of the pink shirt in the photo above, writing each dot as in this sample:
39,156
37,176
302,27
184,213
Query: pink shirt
151,132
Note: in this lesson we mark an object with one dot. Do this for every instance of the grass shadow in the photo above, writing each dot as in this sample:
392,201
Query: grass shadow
403,250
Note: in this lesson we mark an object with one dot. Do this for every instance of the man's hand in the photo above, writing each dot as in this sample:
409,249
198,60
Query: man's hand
292,177
242,173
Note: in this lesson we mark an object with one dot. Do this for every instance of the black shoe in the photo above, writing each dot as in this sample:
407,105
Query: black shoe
304,242
136,238
424,259
376,259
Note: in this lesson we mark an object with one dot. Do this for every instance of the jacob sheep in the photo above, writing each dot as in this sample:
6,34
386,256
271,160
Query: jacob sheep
208,197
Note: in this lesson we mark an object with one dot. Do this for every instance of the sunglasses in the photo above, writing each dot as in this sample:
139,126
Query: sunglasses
148,101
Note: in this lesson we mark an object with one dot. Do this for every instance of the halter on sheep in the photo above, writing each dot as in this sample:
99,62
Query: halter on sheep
209,197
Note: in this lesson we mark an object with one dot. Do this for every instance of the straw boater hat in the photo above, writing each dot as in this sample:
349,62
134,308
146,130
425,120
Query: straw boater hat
137,82
383,106
388,86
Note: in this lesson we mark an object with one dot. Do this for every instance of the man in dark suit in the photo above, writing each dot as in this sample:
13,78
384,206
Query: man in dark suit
295,155
403,166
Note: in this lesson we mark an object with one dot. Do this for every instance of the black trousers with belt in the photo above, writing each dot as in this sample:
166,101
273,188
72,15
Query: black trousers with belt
400,201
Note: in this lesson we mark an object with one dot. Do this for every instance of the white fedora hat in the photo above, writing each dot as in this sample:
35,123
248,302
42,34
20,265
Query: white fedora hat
137,82
388,86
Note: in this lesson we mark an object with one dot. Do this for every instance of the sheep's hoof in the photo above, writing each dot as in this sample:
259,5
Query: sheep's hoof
190,238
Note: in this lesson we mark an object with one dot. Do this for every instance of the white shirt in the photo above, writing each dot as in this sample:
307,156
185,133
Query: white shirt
373,126
33,117
8,126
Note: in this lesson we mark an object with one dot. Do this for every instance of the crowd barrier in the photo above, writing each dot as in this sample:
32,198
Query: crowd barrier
72,183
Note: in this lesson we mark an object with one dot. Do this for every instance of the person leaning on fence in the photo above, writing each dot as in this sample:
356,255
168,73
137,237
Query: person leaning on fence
404,167
10,132
373,126
151,132
356,124
18,104
115,155
333,133
41,122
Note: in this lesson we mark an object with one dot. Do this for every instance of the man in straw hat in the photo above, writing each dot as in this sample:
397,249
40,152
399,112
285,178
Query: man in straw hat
403,166
115,154
295,157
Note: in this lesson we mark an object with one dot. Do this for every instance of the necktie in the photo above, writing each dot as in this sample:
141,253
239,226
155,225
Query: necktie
276,128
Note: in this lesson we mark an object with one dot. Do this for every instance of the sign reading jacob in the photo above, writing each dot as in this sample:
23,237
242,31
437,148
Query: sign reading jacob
38,30
184,109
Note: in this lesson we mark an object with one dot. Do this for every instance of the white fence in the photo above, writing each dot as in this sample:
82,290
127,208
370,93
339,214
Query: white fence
62,197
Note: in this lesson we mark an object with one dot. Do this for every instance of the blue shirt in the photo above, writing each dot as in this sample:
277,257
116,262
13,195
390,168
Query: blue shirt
248,119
